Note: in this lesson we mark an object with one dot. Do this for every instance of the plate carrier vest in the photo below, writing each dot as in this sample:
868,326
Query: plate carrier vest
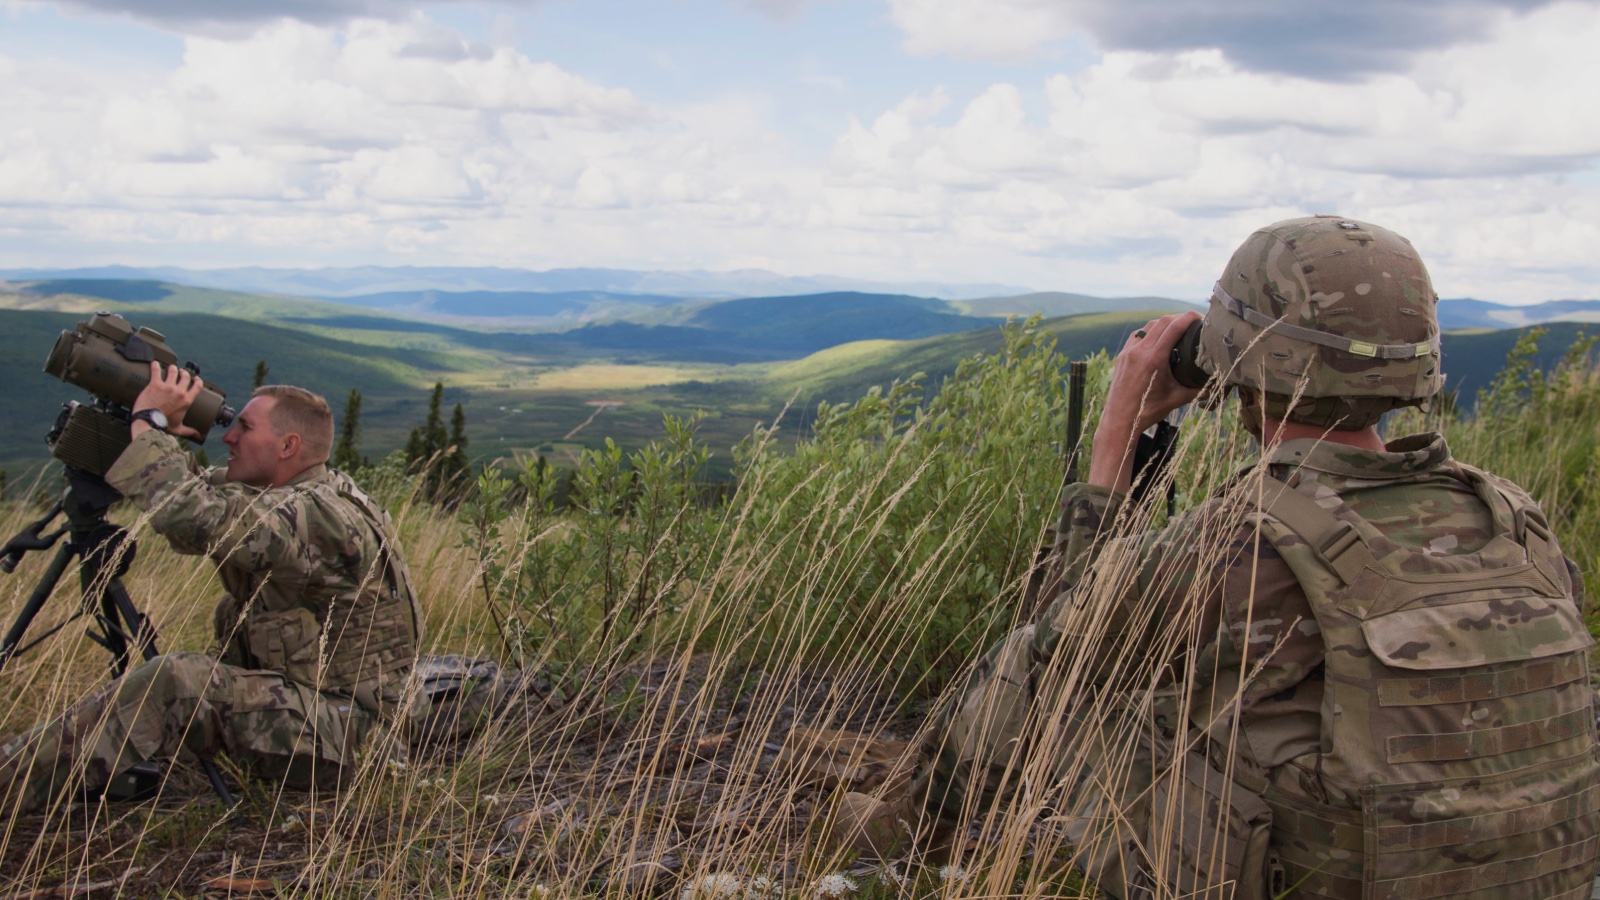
1458,718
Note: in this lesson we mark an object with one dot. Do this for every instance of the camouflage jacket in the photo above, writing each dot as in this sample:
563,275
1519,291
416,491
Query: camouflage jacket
316,588
1255,617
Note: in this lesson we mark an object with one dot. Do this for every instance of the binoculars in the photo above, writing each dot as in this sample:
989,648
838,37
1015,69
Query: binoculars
111,359
1184,360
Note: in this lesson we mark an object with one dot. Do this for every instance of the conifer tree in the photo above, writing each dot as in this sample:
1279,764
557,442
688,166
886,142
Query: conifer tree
427,445
346,454
261,373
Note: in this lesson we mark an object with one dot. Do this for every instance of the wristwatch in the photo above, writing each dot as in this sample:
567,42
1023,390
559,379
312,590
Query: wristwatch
155,417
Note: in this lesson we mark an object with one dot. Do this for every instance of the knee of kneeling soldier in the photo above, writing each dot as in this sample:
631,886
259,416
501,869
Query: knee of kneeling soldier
173,676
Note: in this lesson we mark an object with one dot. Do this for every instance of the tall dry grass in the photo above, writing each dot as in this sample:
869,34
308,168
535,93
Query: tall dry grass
658,753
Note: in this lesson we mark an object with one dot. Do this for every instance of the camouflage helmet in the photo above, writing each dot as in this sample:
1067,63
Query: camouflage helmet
1333,322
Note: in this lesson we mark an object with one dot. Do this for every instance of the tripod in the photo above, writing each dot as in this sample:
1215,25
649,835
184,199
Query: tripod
104,553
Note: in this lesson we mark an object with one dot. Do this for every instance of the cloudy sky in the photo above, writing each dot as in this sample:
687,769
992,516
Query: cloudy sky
1101,146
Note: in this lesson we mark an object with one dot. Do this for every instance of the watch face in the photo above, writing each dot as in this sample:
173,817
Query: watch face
155,417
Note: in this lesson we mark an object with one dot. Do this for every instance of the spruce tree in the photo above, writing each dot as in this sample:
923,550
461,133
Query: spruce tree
261,373
429,438
346,455
425,448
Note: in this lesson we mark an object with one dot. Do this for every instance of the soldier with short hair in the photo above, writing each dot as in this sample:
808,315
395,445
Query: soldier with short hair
1387,693
317,632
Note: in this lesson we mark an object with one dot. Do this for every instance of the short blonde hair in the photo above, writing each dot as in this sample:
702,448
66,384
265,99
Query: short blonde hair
299,411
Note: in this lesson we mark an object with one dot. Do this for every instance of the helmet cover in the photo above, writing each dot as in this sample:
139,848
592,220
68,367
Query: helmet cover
1323,308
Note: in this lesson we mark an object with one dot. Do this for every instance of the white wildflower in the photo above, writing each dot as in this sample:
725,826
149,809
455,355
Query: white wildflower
540,890
833,887
292,823
493,799
759,888
952,873
893,878
397,767
712,886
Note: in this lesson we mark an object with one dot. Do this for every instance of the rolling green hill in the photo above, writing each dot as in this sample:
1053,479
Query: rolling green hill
552,393
847,371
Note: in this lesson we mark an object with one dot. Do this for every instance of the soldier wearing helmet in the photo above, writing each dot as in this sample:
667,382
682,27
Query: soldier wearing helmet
1386,688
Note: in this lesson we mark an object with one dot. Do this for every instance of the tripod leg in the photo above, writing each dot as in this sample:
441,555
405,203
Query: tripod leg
217,784
116,606
36,601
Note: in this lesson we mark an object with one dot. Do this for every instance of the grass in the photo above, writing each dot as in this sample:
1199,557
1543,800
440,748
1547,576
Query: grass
665,754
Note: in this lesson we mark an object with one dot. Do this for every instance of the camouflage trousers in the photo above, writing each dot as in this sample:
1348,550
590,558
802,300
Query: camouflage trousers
185,706
1144,818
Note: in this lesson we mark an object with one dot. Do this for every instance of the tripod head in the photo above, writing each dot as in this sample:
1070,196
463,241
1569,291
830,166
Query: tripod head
85,500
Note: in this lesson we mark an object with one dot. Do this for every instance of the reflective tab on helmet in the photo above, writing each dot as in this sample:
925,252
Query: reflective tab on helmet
1362,348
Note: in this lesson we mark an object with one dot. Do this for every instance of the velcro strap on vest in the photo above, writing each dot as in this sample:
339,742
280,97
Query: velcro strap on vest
1489,826
1457,882
1534,676
1338,542
1322,338
1414,748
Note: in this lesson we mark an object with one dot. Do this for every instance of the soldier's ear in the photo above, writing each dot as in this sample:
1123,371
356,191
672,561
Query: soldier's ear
289,446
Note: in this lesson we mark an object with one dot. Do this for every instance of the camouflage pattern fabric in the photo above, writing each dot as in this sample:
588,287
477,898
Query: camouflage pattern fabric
186,706
459,695
1459,754
315,585
1257,682
318,633
1326,309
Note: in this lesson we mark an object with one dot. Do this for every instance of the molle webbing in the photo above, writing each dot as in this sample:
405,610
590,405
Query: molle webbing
1489,686
395,572
1500,873
1490,826
1410,748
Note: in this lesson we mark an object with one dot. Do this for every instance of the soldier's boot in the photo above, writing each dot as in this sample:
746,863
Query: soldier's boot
890,829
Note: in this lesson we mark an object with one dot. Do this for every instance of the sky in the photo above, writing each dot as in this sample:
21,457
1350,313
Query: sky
1111,147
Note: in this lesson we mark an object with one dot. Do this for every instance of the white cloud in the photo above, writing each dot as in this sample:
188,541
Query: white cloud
1003,30
1163,161
374,141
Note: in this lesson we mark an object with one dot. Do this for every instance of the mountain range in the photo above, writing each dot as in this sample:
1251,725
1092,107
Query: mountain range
564,298
357,281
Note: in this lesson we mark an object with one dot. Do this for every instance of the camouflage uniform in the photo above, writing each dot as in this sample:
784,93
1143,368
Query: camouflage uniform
1262,697
317,633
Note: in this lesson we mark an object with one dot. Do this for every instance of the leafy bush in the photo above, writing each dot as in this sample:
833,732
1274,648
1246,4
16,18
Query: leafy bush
909,516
